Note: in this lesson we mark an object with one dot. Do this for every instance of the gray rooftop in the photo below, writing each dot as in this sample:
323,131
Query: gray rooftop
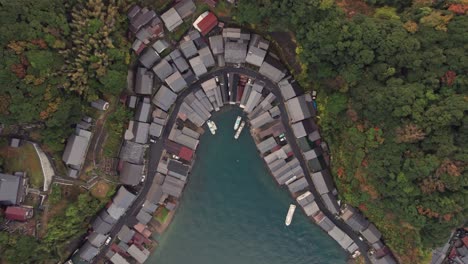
87,252
261,120
311,209
299,108
173,186
139,255
176,82
272,69
217,44
132,152
141,130
143,111
97,239
197,65
155,193
371,234
160,45
177,169
185,8
123,198
206,57
163,69
188,49
266,145
235,52
144,81
130,174
171,19
298,185
10,189
155,130
323,181
143,217
149,58
255,56
330,202
125,234
289,89
75,151
164,98
100,226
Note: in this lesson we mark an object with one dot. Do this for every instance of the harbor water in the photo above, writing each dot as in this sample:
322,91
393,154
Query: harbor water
233,212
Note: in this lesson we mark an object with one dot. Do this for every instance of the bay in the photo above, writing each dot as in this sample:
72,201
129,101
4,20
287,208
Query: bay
232,211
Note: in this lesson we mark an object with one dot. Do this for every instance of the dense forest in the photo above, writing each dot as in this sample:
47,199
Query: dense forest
393,100
57,56
52,63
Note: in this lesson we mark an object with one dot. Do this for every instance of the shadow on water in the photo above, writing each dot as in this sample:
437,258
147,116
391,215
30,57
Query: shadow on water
233,212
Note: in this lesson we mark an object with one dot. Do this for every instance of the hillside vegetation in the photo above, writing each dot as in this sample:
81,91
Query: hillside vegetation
393,99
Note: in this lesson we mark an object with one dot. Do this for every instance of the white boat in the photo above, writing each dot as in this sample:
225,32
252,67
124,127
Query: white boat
239,130
238,121
290,214
211,126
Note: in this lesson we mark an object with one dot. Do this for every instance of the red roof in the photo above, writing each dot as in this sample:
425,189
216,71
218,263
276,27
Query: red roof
465,241
207,23
211,3
185,153
16,213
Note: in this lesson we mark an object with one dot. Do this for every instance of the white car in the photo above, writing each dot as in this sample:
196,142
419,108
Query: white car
143,178
217,79
152,140
108,240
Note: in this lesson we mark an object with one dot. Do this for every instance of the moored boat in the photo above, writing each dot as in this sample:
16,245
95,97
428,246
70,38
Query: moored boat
290,214
211,126
238,121
239,130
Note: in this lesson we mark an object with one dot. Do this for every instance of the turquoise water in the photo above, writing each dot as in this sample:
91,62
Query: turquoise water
232,211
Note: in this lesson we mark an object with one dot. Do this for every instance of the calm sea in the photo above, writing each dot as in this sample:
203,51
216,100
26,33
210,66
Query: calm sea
232,211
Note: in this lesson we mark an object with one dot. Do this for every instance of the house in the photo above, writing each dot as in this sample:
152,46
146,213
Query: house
173,186
100,105
164,98
104,215
118,259
206,57
143,111
298,185
371,234
163,69
139,255
259,42
132,152
304,128
212,91
300,108
197,65
323,221
160,45
141,19
235,52
323,181
138,46
15,142
217,44
155,130
330,202
100,226
144,81
97,239
272,69
253,101
149,58
178,169
143,217
121,202
87,252
130,174
185,8
171,19
205,22
261,120
305,198
133,11
357,222
311,209
341,237
125,234
140,130
154,29
289,89
12,189
179,60
266,145
176,82
75,150
18,213
188,48
155,194
255,56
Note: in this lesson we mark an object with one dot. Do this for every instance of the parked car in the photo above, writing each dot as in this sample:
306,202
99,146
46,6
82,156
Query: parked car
108,240
143,178
152,140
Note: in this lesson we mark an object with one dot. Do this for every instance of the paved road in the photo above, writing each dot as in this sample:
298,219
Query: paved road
156,149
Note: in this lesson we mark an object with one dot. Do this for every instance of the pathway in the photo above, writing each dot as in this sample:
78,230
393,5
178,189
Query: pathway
47,169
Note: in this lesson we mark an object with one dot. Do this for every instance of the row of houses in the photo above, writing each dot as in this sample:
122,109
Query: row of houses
104,223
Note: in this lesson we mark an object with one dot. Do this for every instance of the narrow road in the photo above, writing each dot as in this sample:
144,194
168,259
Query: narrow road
156,149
